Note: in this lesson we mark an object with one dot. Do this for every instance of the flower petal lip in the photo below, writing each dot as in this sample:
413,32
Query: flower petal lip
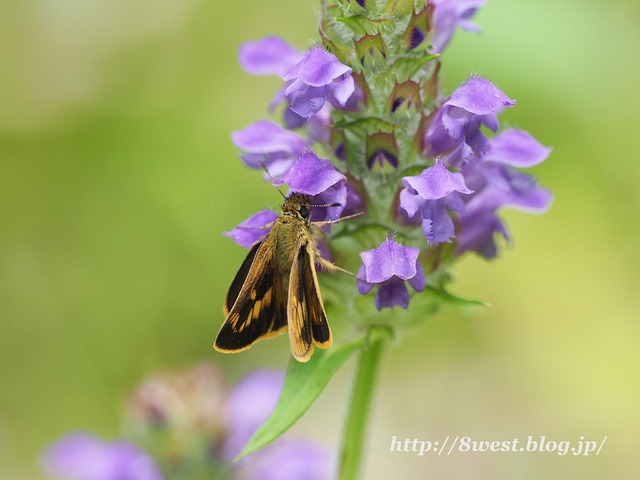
363,287
269,56
418,281
311,175
389,259
309,101
317,68
516,148
251,230
267,137
436,182
410,201
392,293
343,89
479,96
437,225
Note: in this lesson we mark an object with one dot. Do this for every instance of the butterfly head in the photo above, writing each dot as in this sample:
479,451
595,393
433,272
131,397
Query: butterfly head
297,205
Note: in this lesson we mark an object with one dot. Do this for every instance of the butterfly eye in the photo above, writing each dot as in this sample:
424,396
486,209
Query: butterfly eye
303,211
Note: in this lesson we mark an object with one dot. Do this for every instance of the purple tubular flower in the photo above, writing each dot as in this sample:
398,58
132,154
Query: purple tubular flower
436,182
430,193
449,14
456,126
480,221
496,185
317,78
354,203
253,229
390,265
267,143
311,78
437,225
290,460
84,456
248,406
516,148
269,56
320,180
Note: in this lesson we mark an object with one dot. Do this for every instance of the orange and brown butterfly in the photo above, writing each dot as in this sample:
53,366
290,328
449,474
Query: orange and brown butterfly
276,288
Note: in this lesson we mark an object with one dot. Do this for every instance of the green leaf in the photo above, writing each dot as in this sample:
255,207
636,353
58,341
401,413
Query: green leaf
407,67
302,385
453,300
361,25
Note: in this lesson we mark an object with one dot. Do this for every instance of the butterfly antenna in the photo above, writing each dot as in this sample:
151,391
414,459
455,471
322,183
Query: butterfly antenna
326,205
271,178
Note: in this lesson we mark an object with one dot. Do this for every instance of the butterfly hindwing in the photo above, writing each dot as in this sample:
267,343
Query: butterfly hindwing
306,316
260,309
319,324
238,281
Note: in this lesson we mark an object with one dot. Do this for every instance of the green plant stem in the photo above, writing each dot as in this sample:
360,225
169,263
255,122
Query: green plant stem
363,388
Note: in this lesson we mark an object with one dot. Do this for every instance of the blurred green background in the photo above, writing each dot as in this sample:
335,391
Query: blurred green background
117,176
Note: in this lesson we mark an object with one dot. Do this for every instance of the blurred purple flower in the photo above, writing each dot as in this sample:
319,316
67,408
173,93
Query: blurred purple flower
319,179
390,265
268,145
84,456
269,56
451,13
249,404
516,148
496,184
290,460
480,221
456,126
253,229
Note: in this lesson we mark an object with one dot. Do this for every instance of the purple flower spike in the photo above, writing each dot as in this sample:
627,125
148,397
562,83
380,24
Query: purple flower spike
269,144
84,456
516,148
449,14
389,265
269,56
248,406
318,77
320,180
253,229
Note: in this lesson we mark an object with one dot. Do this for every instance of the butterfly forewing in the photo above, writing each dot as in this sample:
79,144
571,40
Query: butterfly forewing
260,307
238,281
